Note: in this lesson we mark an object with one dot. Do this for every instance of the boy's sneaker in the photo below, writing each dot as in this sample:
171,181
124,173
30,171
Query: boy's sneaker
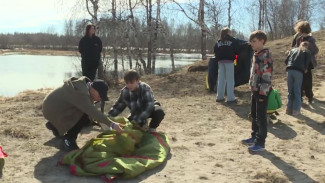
256,148
220,100
288,111
272,116
232,102
249,141
52,128
70,144
296,113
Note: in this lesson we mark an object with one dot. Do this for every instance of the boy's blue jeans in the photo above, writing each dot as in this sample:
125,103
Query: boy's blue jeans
226,77
259,119
294,82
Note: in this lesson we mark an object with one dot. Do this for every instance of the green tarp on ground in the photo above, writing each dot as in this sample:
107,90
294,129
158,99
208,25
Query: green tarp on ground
124,155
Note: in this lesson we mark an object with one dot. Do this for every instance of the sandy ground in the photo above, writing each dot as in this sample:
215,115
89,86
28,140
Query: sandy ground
204,137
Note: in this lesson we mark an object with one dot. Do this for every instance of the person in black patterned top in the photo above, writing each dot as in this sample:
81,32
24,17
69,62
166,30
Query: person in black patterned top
139,98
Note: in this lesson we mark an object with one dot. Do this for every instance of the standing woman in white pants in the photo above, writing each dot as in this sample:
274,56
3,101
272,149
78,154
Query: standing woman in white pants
225,50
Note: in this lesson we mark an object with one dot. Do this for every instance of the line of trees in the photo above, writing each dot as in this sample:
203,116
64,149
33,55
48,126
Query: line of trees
141,28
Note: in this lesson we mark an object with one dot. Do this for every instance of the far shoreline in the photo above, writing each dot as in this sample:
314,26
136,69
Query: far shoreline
22,51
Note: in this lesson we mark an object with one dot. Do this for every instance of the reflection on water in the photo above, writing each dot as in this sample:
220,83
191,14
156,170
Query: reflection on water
31,72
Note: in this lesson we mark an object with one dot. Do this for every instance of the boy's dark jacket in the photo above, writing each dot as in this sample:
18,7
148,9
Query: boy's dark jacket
312,47
226,50
298,59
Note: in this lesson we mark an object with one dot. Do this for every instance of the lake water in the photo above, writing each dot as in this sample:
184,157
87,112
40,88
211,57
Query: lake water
31,72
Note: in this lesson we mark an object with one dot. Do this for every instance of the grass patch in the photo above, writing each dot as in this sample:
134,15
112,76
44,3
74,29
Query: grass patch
18,133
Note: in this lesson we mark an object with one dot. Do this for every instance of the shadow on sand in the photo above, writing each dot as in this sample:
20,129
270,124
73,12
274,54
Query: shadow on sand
316,125
317,107
281,130
48,169
293,174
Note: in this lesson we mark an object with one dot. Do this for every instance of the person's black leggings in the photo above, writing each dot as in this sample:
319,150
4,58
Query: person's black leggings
75,130
307,85
89,70
156,117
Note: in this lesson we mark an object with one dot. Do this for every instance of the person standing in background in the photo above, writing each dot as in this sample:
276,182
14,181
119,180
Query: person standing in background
90,48
225,50
297,64
303,32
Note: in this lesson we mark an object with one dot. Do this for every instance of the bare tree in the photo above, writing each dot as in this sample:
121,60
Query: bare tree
229,15
128,44
203,30
139,56
261,14
199,20
322,9
148,6
114,33
155,38
214,10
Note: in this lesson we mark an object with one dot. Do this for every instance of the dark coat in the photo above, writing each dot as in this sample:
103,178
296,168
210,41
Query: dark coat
312,47
90,49
226,50
298,59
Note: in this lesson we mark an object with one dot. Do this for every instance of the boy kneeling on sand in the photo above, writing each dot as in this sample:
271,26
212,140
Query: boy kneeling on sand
139,98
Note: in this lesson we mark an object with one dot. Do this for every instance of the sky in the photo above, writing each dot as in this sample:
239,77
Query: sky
33,15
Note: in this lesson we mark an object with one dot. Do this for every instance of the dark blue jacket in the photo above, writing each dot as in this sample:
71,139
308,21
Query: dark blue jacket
298,60
312,48
226,50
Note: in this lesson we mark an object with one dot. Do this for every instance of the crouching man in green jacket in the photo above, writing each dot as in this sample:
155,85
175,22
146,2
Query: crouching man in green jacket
67,108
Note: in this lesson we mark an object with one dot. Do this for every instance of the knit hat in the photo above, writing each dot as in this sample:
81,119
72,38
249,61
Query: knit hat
101,88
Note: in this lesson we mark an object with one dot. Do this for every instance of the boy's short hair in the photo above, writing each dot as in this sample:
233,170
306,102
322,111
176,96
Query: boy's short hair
258,34
131,75
303,27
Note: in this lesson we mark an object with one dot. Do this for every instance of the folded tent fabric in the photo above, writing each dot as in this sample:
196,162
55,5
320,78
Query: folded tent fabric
123,156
